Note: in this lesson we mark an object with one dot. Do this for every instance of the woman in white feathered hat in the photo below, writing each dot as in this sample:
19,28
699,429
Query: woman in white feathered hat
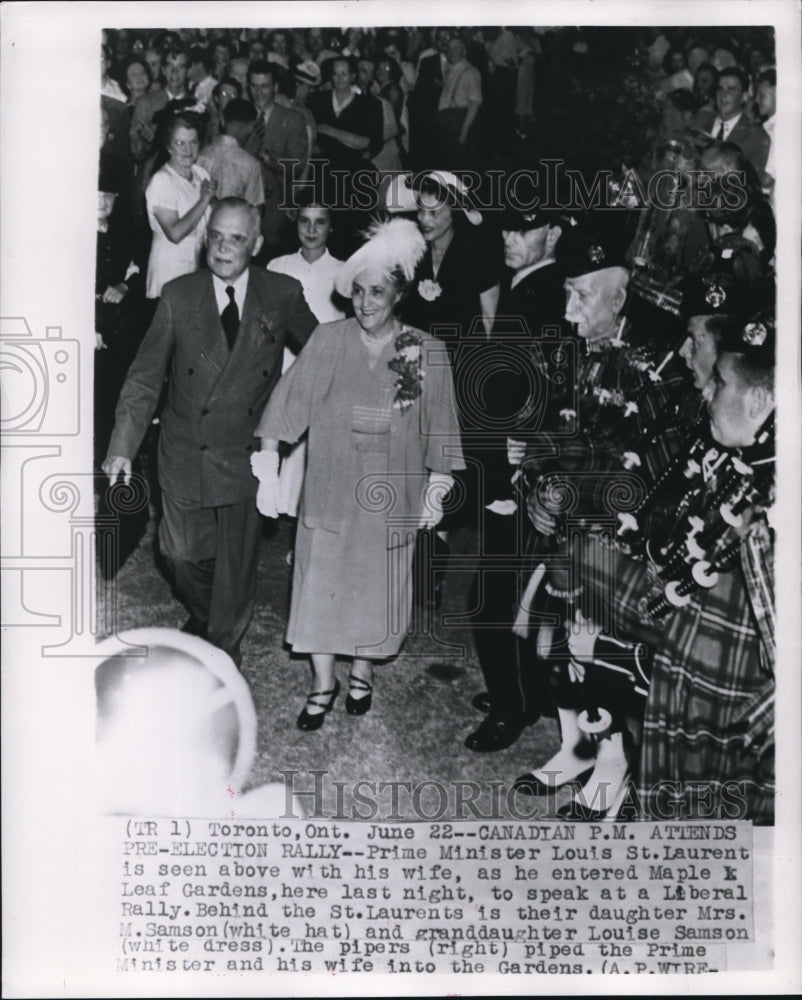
376,398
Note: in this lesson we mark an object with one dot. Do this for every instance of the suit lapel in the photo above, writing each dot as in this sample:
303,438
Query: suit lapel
212,341
255,331
273,129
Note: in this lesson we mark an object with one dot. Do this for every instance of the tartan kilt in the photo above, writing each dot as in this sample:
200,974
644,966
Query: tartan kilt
706,671
614,588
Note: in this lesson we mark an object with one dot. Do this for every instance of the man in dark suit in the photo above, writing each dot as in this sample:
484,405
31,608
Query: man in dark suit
279,142
731,123
520,396
221,331
422,102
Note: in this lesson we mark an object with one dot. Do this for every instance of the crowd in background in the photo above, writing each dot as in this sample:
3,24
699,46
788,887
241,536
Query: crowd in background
666,302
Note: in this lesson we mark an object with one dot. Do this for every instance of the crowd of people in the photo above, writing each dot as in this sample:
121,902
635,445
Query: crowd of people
318,269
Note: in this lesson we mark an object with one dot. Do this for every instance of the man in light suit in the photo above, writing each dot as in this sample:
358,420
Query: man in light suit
279,142
221,331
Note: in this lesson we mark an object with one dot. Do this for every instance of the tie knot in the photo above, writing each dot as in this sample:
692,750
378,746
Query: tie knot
230,293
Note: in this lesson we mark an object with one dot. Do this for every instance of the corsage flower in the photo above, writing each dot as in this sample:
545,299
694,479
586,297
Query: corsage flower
429,290
407,366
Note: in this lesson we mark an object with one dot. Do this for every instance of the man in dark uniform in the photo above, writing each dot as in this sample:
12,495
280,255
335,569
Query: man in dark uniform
517,399
221,333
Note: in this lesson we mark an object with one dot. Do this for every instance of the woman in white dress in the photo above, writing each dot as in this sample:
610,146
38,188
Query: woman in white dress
316,269
178,198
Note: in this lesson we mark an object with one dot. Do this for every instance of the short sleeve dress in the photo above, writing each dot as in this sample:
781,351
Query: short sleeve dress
168,189
368,462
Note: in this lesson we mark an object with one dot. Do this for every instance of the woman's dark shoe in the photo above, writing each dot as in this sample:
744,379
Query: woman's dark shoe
309,722
359,706
481,702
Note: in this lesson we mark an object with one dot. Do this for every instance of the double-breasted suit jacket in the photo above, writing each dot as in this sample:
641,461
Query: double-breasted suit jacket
215,396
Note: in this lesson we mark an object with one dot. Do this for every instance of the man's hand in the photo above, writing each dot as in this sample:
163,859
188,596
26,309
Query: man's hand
582,634
147,132
516,451
268,159
543,521
264,465
115,293
114,465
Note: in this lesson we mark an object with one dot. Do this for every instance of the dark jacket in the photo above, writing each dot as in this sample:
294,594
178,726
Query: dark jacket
215,398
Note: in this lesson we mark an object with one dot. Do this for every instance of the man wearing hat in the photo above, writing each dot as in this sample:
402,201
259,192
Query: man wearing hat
306,79
709,714
519,399
601,426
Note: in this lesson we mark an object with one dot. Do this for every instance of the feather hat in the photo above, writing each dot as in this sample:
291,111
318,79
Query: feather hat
389,245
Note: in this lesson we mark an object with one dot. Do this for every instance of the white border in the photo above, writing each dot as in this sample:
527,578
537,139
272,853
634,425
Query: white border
48,123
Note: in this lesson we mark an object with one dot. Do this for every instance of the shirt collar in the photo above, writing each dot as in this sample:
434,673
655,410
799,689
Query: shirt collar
519,276
730,124
240,289
324,256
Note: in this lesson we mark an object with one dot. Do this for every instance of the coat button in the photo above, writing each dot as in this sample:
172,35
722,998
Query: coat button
204,413
191,371
250,411
265,374
249,447
204,447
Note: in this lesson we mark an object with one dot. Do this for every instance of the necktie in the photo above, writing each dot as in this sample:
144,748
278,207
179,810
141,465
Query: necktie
230,318
720,136
259,131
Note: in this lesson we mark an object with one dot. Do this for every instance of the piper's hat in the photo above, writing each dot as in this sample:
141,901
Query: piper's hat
587,246
389,245
757,338
308,72
727,279
518,219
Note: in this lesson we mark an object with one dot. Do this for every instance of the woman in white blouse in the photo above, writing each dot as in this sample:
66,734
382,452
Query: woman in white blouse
178,198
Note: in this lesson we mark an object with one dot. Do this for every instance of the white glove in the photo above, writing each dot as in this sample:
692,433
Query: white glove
516,451
433,496
264,465
582,635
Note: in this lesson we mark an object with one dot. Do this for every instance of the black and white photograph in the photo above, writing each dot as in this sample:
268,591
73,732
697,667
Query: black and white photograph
401,576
